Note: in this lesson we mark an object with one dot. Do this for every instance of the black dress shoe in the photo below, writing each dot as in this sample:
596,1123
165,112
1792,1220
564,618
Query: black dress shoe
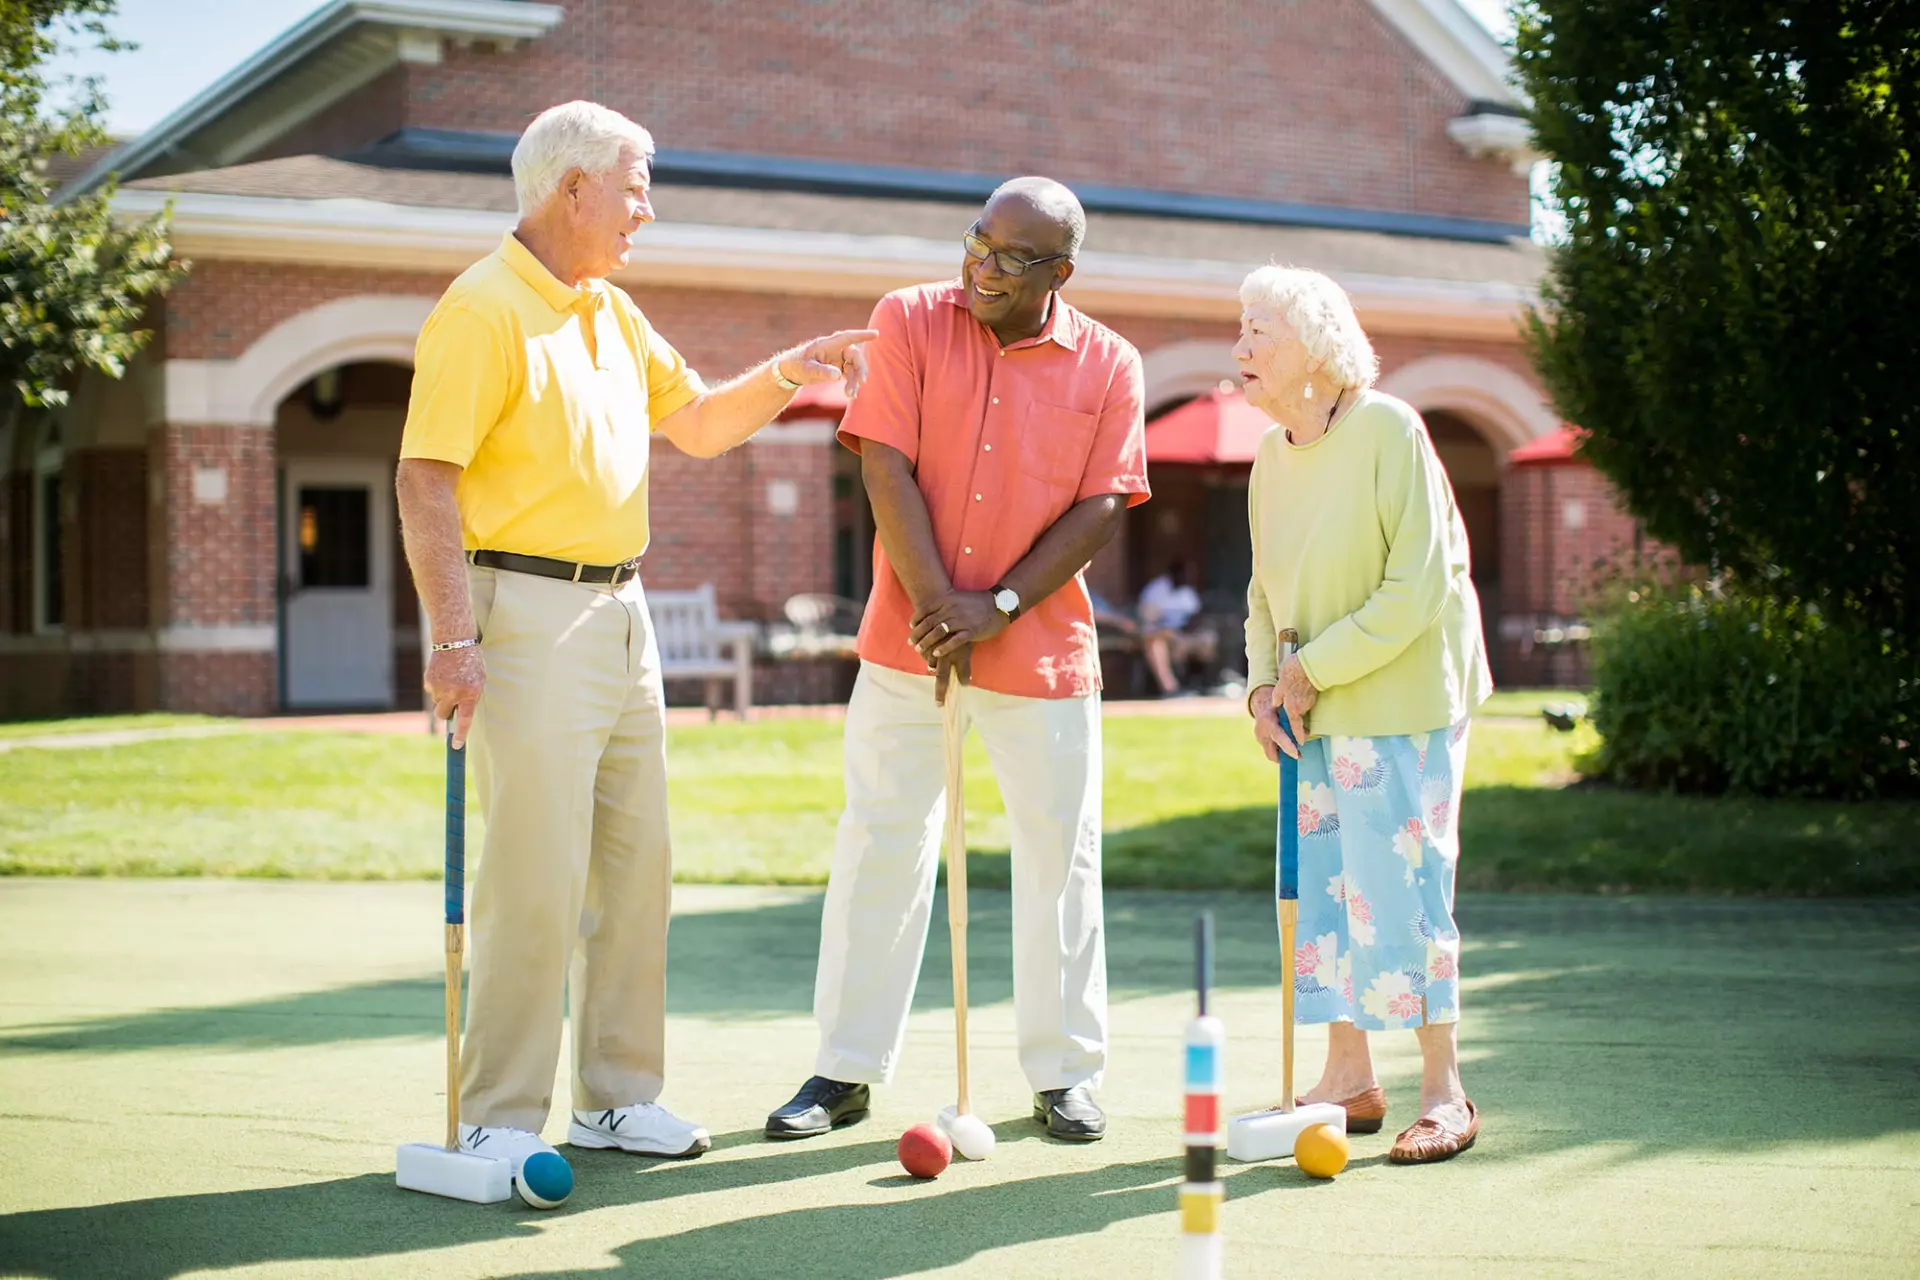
1070,1114
821,1105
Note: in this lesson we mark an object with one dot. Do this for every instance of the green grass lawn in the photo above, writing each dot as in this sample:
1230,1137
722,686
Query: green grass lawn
1189,804
1528,702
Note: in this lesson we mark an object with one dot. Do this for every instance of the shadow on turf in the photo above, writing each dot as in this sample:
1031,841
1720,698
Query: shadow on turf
1707,1013
933,1224
367,1216
1585,839
927,1226
736,964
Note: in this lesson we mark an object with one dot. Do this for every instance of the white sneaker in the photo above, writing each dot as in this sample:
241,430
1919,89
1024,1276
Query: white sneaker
502,1144
646,1128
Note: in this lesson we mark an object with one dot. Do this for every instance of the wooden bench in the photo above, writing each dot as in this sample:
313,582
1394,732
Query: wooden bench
696,644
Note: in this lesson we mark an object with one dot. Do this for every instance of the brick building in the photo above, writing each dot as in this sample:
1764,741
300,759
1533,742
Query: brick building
215,532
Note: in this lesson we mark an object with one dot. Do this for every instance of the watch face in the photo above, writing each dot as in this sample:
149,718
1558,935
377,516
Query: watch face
1005,600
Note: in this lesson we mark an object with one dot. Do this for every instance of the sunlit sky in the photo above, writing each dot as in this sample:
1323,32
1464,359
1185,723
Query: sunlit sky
186,45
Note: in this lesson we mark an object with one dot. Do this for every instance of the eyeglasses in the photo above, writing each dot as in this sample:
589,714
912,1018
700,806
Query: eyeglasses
979,250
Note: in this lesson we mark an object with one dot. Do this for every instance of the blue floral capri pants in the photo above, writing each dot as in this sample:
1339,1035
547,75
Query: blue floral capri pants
1378,846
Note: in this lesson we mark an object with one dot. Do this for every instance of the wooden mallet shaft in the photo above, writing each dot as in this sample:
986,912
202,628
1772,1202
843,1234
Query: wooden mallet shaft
956,842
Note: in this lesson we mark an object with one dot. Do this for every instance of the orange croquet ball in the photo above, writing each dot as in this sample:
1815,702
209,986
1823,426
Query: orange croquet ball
1320,1151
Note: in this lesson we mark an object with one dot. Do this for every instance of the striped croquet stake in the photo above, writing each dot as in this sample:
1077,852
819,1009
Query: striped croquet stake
1202,1192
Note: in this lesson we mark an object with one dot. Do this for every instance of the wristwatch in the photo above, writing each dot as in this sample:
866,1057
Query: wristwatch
1007,601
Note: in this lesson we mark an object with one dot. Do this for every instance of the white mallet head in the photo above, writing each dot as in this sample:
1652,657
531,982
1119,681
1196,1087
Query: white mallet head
969,1133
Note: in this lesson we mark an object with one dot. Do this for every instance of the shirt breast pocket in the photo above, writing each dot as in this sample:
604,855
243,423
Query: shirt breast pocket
1054,444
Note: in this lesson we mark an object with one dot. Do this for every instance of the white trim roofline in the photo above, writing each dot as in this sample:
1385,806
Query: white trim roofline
496,19
418,238
1455,42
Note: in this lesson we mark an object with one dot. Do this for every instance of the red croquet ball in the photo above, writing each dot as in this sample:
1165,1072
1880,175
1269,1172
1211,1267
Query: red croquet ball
925,1152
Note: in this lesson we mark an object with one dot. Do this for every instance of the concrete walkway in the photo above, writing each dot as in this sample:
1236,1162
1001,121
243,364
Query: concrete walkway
416,722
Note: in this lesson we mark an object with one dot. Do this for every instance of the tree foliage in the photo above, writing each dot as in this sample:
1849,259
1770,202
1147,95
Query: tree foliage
1735,314
73,284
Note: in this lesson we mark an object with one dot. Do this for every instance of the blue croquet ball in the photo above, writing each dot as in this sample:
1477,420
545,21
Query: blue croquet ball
545,1180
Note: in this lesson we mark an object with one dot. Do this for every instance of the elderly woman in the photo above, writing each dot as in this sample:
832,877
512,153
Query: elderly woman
1358,548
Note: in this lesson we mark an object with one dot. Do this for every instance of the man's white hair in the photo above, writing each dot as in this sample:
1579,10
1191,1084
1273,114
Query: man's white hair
1321,313
574,135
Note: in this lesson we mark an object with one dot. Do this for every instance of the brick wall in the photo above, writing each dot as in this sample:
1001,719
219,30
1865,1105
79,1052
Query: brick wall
222,307
218,684
111,682
1564,534
35,686
1318,101
218,560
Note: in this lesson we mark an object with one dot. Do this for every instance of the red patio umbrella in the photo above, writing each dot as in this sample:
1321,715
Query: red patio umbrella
1219,426
817,400
1559,445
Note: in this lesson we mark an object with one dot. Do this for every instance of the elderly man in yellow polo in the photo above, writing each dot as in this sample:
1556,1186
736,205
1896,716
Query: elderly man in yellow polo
523,492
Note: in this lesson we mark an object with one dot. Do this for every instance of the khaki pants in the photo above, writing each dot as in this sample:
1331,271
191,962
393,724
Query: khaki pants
1046,758
574,882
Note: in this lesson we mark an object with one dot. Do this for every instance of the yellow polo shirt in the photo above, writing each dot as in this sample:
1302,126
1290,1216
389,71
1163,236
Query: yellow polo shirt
545,395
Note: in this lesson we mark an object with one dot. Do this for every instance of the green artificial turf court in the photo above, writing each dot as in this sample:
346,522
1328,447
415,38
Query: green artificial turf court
203,1077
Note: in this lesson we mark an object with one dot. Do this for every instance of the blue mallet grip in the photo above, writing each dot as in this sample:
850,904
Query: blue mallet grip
1286,862
1287,842
456,833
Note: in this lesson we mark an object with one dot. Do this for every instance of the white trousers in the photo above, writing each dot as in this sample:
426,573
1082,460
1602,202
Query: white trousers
1046,756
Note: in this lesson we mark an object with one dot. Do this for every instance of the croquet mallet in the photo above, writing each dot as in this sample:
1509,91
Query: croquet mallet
970,1135
422,1166
1266,1135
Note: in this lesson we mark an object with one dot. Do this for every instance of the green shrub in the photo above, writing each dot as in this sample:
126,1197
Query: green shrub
1700,690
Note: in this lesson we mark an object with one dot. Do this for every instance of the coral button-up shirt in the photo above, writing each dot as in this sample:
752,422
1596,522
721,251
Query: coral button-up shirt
1003,441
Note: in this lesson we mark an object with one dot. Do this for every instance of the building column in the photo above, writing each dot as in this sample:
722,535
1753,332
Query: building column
214,567
789,536
790,525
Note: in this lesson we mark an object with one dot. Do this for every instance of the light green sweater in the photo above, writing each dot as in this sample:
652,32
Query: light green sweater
1358,547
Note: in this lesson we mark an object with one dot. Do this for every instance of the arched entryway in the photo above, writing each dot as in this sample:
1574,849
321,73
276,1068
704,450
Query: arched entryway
348,616
1198,514
1477,411
1473,468
324,394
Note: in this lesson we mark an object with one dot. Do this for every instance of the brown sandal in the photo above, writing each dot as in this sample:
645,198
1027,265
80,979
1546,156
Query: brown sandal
1427,1141
1365,1111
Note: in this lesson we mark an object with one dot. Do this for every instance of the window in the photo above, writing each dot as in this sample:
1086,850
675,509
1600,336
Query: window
335,536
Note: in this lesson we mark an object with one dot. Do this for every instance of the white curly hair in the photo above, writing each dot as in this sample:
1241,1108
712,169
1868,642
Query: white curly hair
1321,313
574,135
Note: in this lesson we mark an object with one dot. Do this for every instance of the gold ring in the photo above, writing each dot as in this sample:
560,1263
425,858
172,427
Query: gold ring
945,630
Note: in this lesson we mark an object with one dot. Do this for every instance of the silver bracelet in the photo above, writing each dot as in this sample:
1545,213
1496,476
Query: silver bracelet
781,380
468,643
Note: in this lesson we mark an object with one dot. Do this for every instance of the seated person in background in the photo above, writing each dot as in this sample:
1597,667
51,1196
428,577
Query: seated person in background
1168,605
1111,618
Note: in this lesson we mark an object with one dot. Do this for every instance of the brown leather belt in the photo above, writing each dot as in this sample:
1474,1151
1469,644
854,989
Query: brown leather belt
565,570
